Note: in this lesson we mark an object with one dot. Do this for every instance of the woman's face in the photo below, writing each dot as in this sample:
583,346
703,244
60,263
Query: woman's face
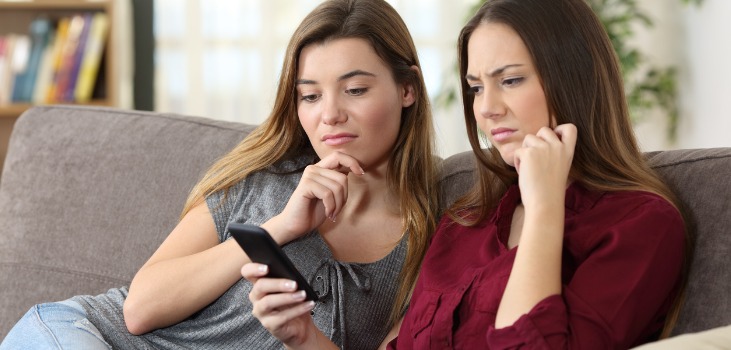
509,99
349,102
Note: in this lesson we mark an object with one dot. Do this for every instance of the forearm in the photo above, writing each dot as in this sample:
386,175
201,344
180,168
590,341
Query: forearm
169,291
316,341
536,272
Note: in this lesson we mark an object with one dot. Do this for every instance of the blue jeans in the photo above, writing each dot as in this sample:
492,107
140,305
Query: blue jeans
60,325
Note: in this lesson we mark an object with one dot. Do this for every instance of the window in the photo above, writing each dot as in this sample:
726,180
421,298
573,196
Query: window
221,58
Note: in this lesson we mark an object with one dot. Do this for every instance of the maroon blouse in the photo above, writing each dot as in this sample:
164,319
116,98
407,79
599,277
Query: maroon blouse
622,257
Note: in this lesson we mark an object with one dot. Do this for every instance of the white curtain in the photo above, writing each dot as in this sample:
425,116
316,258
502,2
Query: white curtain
221,58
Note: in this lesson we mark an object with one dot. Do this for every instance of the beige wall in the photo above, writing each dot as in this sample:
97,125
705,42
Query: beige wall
698,41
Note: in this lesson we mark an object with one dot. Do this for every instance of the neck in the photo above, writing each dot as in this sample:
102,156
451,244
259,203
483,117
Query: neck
369,191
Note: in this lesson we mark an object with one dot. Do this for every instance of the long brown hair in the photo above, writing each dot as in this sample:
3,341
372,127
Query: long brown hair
412,166
582,81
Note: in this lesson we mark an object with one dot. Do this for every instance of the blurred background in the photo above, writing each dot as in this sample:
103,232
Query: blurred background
221,59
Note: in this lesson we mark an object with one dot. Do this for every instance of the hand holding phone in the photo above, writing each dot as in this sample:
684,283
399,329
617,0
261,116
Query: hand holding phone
261,248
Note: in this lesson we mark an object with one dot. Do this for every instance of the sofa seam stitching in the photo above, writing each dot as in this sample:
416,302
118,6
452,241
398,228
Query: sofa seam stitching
87,275
704,158
175,117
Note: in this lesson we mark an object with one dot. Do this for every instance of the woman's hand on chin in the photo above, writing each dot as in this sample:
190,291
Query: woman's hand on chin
543,164
321,194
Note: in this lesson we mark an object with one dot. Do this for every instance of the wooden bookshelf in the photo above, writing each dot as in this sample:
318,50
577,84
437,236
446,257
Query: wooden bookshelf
16,17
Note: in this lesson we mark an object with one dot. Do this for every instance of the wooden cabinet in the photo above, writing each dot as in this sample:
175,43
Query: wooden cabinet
16,17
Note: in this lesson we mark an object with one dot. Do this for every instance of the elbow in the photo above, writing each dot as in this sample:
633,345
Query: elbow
136,320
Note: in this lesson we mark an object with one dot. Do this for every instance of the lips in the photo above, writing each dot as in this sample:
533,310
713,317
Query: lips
338,139
501,134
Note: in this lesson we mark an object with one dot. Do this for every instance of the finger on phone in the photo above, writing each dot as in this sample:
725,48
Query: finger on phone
274,321
253,271
265,286
278,302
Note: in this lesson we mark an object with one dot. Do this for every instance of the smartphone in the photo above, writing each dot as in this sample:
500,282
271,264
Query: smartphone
261,248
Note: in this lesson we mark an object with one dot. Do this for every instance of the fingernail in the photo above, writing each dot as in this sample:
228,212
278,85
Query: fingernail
309,305
263,269
332,218
299,295
291,285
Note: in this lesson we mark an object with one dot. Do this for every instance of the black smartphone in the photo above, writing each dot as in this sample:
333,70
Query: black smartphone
261,248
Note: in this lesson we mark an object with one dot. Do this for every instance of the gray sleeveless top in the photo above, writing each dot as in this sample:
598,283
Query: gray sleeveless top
355,302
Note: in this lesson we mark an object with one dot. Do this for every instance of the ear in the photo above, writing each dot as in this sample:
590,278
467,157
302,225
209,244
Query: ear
409,96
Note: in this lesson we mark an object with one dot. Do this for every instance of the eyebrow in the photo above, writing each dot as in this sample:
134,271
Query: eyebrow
494,72
345,76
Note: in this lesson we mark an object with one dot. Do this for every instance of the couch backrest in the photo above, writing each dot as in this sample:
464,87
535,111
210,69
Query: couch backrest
87,194
701,178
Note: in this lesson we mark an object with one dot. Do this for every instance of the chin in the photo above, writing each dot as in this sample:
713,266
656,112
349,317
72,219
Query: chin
509,159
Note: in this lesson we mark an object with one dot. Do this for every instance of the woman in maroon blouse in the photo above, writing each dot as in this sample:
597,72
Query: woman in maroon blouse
569,239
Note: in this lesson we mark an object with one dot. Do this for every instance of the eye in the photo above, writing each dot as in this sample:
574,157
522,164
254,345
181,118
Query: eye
356,91
475,90
510,82
310,98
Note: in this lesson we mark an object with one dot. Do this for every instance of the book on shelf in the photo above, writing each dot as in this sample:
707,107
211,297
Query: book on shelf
44,77
64,75
56,61
11,63
25,83
92,57
4,72
18,65
56,58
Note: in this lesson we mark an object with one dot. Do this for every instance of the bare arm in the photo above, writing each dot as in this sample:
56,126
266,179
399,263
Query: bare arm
543,163
536,272
318,342
188,271
191,269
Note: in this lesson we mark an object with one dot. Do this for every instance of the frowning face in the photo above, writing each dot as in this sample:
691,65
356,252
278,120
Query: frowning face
509,101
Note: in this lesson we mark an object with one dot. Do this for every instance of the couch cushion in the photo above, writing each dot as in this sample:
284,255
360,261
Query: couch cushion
88,193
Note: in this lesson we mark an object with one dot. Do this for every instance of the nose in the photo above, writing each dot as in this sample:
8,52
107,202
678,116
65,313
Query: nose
489,104
332,111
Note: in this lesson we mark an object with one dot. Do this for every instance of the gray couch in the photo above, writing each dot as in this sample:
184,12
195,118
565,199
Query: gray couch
88,193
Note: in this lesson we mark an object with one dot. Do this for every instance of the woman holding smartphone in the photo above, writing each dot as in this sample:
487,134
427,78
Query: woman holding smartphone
341,174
